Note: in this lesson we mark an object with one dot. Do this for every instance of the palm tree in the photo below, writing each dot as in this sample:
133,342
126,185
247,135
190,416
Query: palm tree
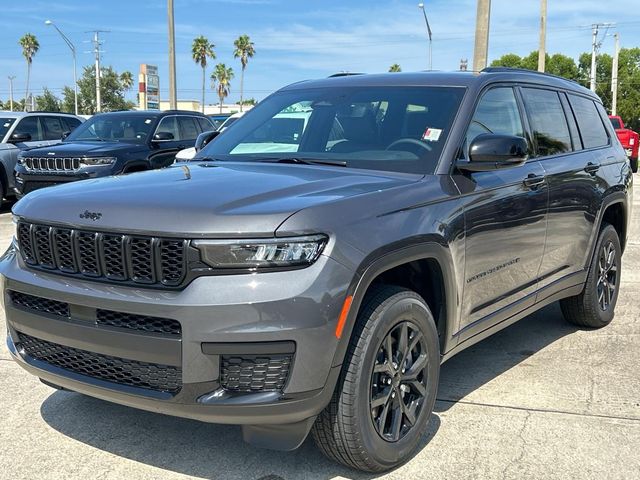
395,68
201,50
223,76
30,46
126,79
244,50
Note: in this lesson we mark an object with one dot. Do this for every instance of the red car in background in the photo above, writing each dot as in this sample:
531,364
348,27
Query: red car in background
628,139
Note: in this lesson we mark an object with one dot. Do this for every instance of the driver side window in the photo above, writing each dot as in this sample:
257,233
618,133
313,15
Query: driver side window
498,113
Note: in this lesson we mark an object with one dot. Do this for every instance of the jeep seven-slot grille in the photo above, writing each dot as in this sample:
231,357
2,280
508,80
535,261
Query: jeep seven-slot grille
106,256
50,164
152,376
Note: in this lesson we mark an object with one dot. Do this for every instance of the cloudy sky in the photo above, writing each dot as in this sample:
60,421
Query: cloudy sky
294,39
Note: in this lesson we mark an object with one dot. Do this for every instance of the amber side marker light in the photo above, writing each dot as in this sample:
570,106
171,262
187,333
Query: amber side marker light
343,315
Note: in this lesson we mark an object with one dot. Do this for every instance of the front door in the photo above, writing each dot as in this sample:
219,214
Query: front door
505,222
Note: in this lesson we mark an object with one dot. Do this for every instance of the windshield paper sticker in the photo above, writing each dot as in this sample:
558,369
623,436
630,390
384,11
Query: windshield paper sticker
431,134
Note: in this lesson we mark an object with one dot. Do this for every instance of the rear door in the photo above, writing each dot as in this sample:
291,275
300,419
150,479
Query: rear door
505,222
571,146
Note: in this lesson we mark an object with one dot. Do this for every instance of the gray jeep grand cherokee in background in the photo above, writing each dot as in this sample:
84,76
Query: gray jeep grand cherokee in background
310,272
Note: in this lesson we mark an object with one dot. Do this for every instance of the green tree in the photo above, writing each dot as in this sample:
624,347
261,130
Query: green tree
112,92
604,62
222,76
30,47
126,80
510,60
249,101
48,102
201,51
244,50
395,68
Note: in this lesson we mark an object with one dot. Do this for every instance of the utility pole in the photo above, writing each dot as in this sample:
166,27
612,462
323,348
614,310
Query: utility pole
595,46
426,21
542,51
481,48
11,79
594,49
97,51
173,100
614,75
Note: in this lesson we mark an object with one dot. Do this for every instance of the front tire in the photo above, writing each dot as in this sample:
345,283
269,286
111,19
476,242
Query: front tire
595,306
387,389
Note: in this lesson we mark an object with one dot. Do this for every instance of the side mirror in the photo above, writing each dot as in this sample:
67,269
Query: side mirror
204,138
20,137
163,137
491,152
65,134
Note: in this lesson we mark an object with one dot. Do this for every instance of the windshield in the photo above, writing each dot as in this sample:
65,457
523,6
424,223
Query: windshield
5,125
400,129
616,123
114,127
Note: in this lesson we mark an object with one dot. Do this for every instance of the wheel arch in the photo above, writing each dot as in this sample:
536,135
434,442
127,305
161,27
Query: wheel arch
614,211
432,259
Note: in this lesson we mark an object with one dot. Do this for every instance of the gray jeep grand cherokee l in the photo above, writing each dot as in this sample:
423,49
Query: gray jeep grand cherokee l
315,265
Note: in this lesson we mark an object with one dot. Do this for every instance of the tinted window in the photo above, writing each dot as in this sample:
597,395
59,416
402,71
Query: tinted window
401,129
205,124
71,123
114,127
170,125
5,125
616,123
498,113
190,129
52,128
549,125
30,125
571,120
590,124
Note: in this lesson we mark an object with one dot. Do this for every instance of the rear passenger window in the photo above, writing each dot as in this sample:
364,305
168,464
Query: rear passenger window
189,128
52,128
548,122
497,113
590,124
71,123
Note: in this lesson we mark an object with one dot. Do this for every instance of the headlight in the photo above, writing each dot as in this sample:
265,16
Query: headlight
96,161
263,253
14,239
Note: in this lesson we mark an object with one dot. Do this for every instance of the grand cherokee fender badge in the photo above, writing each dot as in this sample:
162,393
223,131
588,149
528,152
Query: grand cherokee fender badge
91,215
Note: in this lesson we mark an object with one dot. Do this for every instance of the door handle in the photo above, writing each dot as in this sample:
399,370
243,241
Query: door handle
592,168
533,180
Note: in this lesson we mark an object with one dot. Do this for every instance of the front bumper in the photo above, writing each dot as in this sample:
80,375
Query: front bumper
235,314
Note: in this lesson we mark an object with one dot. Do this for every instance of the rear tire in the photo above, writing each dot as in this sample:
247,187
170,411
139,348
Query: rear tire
595,306
380,409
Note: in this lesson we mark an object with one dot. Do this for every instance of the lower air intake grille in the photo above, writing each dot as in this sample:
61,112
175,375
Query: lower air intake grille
141,323
255,373
39,304
163,378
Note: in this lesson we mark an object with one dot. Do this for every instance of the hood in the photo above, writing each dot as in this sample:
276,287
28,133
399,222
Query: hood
202,199
83,149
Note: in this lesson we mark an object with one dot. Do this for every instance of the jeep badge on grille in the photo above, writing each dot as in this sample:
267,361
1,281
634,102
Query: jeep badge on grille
91,215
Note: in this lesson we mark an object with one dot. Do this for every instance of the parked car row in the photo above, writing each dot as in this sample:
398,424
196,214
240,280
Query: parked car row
110,144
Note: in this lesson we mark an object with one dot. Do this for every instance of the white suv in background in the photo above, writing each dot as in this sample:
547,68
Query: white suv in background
24,130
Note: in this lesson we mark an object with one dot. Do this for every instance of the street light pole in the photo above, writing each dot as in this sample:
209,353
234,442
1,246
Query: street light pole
11,78
481,47
426,21
73,52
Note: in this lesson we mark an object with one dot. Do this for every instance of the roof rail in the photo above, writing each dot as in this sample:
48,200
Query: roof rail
344,74
523,70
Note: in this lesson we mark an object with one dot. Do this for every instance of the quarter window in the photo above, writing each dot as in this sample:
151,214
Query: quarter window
549,125
590,124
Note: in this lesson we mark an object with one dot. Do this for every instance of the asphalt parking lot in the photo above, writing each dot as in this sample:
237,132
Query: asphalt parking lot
541,399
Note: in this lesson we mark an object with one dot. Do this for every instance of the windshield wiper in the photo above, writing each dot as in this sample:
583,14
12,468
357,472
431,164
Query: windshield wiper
308,161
